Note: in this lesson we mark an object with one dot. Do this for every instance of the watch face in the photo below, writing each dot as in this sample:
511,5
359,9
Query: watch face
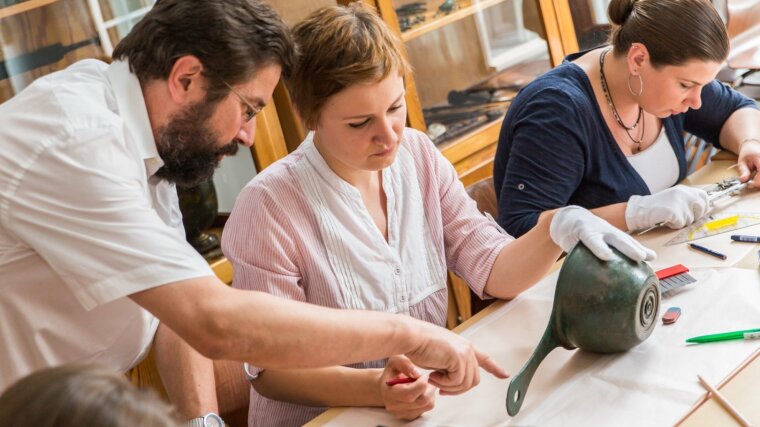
212,420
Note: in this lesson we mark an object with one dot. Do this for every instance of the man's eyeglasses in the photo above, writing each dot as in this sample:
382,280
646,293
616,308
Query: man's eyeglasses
250,110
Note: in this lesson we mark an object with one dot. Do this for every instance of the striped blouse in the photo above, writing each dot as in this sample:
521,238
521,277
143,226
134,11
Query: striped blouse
299,231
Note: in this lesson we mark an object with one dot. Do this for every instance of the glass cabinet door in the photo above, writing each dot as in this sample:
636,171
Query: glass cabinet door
38,37
590,22
469,59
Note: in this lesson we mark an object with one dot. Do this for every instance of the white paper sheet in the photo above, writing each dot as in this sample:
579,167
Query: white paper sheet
651,385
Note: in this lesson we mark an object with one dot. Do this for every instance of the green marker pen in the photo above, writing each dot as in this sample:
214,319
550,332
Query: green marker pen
748,334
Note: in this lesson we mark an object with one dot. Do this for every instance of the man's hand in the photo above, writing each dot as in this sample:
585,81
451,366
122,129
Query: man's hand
675,207
572,224
454,358
405,401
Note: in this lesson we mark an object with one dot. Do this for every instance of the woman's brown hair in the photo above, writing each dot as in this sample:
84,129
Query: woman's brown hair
673,31
82,396
339,47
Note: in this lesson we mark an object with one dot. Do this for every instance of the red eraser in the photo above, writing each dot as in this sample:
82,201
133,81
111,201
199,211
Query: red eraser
671,315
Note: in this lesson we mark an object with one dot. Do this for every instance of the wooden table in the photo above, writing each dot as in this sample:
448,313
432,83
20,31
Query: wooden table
741,387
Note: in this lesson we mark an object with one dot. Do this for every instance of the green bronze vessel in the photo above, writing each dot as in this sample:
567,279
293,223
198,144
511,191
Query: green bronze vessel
599,306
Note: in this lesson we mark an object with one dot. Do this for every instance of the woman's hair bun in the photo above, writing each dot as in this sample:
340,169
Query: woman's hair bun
620,10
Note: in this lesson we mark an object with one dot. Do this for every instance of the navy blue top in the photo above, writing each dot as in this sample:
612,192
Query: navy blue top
555,148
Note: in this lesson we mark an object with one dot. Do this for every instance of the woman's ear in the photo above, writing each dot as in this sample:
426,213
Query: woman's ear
638,55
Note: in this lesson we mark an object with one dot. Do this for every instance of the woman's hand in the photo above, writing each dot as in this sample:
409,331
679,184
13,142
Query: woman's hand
573,224
410,400
675,207
749,160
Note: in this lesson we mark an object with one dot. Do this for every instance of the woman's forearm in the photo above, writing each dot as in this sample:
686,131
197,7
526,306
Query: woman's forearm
524,261
742,125
333,386
614,214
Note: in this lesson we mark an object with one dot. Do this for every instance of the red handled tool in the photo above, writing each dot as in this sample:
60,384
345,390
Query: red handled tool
674,277
400,380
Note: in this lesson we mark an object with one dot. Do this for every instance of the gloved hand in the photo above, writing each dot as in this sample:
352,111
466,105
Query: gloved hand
675,207
573,223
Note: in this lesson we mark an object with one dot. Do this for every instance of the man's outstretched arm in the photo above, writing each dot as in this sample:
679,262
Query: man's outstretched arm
225,323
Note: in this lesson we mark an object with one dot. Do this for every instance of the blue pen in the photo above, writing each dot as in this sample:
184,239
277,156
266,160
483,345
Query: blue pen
708,251
743,238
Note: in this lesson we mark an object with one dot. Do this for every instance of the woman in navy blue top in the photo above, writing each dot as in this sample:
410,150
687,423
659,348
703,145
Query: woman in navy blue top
604,130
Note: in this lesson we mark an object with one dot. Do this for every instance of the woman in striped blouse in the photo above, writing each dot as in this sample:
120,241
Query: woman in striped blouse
367,214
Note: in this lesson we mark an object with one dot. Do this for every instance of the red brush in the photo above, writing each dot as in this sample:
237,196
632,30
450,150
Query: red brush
674,277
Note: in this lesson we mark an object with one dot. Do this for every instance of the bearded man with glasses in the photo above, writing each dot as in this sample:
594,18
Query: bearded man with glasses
92,250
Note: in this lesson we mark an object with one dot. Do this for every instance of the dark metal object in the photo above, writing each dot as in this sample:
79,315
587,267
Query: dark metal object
460,122
482,94
599,306
199,209
410,15
407,22
411,9
723,185
447,7
44,56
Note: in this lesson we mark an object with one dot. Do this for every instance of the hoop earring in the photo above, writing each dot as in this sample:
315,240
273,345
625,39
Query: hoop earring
641,85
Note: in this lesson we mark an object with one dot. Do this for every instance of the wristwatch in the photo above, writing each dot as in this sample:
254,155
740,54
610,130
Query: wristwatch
208,420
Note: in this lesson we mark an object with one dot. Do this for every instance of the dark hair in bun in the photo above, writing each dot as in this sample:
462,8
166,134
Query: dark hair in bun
674,31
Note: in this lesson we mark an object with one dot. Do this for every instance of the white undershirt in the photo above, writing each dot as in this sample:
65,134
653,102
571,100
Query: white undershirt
657,165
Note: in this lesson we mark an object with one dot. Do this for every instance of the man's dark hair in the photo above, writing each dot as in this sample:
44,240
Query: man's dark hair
233,39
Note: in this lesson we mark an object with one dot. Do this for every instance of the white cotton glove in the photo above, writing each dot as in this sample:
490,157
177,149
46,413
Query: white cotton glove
572,224
675,207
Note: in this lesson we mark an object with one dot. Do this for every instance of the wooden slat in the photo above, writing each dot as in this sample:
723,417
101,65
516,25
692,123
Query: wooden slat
566,27
413,106
552,31
461,293
223,270
460,148
292,128
23,7
269,144
433,23
452,315
477,166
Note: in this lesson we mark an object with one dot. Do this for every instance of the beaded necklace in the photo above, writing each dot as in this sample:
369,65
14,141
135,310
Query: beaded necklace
607,96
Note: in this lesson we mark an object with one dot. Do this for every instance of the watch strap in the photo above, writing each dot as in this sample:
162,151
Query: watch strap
195,422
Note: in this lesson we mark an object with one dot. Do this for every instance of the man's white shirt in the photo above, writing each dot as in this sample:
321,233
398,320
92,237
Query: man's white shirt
83,222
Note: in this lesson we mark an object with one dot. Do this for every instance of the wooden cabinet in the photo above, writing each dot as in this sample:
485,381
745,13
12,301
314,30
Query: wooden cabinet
461,49
462,46
38,37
